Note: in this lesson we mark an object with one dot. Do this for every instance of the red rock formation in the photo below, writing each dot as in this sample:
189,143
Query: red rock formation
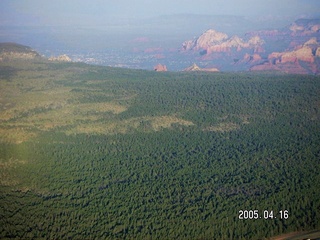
290,61
265,67
303,27
210,38
312,42
299,51
252,58
160,68
292,68
213,41
303,52
318,52
195,68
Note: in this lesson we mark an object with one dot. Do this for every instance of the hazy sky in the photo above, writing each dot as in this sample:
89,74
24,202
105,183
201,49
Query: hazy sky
70,12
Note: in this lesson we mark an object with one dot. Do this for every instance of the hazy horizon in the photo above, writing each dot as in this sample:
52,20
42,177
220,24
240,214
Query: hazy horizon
123,32
98,12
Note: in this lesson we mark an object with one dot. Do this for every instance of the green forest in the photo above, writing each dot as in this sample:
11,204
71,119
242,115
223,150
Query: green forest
90,152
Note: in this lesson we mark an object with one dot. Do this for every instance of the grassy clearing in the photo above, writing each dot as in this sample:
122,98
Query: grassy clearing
167,121
124,126
15,134
18,123
39,99
6,178
228,123
223,127
71,114
43,99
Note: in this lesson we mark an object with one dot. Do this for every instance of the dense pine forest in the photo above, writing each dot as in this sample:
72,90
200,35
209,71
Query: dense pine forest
96,152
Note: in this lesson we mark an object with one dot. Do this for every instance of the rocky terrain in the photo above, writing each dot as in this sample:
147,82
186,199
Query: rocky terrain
303,59
61,58
293,49
160,68
213,41
196,68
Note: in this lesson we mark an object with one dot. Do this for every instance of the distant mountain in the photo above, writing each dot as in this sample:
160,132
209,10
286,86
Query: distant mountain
293,49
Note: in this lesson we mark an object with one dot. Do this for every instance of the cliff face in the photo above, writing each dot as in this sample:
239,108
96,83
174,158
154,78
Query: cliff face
293,49
305,27
205,41
303,59
213,41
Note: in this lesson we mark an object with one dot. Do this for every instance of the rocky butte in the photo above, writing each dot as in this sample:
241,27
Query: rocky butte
213,41
160,68
305,27
303,59
196,68
292,49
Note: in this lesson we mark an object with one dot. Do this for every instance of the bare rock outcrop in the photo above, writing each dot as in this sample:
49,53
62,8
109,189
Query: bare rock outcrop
213,41
61,58
15,55
195,68
292,68
304,27
318,52
306,52
302,54
206,40
251,58
301,60
160,68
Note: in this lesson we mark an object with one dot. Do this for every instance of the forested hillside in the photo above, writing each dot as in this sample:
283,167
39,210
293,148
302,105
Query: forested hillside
98,152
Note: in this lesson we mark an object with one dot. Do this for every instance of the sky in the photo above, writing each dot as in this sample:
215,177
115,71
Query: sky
100,12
